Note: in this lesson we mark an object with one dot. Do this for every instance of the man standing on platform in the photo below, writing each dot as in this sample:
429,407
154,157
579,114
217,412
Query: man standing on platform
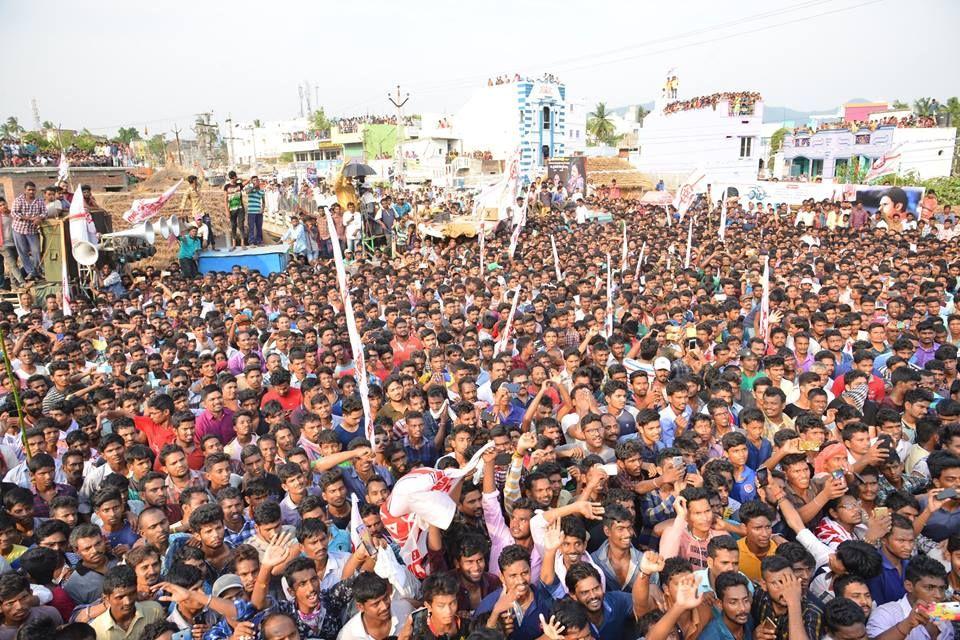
28,212
255,197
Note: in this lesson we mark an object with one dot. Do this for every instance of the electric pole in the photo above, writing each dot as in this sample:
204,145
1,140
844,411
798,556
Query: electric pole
229,121
176,133
398,151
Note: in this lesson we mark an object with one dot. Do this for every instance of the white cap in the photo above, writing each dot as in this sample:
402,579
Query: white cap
661,363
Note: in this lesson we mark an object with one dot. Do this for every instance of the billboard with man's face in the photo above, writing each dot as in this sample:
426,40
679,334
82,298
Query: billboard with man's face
570,172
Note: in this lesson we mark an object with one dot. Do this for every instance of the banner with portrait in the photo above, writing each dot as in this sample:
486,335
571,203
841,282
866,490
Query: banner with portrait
570,172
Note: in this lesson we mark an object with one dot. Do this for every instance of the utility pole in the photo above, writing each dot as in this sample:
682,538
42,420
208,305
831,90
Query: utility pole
229,122
398,151
300,91
176,132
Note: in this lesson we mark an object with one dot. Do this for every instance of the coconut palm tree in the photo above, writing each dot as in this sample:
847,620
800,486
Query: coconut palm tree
899,105
952,110
599,124
11,128
46,125
923,106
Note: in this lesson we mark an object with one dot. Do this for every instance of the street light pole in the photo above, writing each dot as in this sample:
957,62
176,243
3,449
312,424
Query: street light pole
398,151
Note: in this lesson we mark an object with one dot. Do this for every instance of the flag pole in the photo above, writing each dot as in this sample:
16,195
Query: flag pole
14,390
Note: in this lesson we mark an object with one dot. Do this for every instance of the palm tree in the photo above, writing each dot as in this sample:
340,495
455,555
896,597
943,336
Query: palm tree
923,106
599,124
11,128
899,105
46,125
256,123
952,109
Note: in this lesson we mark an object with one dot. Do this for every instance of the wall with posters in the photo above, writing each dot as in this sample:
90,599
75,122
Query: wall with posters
766,193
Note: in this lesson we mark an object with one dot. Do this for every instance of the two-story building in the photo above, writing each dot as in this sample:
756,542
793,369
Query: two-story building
830,153
718,133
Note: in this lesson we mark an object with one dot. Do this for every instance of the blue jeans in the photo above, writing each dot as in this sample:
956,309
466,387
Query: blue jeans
255,227
28,248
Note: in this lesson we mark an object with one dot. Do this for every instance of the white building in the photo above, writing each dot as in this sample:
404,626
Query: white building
926,151
722,138
274,138
527,114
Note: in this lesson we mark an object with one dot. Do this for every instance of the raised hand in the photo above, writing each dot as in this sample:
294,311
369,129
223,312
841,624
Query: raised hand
552,629
489,455
591,510
526,442
278,550
792,588
553,536
686,596
244,631
651,562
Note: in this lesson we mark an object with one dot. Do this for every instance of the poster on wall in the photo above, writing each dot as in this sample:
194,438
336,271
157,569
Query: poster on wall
767,193
570,172
870,196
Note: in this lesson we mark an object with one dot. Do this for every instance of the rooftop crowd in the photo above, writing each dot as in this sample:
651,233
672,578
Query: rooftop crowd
14,153
909,122
696,468
741,102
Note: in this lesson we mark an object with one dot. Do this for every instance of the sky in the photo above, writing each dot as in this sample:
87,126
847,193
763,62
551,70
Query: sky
109,63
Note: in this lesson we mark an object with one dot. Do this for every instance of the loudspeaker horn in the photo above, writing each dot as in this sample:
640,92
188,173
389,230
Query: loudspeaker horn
162,229
85,253
142,231
173,226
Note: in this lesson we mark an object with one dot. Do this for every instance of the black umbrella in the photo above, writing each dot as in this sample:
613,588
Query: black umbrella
356,169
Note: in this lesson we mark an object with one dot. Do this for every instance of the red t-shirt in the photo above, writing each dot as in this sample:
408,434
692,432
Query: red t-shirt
289,402
157,434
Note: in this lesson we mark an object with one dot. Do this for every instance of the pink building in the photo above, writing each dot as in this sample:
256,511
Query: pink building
861,110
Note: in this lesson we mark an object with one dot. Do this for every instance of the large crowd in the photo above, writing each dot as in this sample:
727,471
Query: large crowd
855,126
656,445
740,102
14,153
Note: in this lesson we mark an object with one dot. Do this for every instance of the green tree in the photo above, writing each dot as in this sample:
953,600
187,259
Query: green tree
776,140
599,125
286,156
157,146
37,138
256,123
319,121
923,106
126,135
46,125
11,128
85,142
899,105
952,110
641,113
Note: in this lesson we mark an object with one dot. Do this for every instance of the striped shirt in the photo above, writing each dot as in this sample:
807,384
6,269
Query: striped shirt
27,215
254,201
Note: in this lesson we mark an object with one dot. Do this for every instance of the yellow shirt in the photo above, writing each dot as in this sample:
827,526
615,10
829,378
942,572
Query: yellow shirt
750,562
146,613
17,551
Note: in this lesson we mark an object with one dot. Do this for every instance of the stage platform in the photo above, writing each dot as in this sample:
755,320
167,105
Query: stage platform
266,259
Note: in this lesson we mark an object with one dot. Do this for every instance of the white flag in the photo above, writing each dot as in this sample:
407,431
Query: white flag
63,175
65,285
688,191
556,259
505,338
518,227
722,231
765,299
686,260
481,241
609,321
885,165
643,248
623,256
145,208
360,364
